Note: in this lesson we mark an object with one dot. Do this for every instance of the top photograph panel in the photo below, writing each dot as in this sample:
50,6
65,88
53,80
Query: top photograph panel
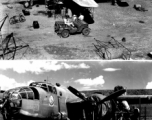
75,29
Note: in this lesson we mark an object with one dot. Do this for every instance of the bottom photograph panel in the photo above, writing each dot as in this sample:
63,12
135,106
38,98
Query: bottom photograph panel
76,90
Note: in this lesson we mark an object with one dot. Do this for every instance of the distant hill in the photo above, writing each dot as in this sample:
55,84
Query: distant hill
129,92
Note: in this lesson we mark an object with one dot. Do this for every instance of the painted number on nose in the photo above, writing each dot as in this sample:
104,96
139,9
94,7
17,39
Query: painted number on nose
51,101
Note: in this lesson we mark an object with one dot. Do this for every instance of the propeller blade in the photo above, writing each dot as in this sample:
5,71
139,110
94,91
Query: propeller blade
76,92
113,96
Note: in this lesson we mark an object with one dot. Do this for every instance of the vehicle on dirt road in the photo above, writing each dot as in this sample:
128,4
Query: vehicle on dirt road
17,19
65,30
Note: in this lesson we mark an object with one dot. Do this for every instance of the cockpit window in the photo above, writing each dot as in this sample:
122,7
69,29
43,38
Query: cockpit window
36,93
22,90
24,95
9,92
52,89
38,85
35,84
30,95
15,95
32,84
27,89
44,86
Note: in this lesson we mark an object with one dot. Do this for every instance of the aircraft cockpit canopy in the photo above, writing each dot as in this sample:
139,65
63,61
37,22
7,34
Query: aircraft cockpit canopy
48,87
21,93
26,93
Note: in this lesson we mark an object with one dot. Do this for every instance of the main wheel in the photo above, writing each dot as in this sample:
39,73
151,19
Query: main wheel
86,31
65,33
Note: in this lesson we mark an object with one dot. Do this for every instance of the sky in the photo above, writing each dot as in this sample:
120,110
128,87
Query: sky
83,75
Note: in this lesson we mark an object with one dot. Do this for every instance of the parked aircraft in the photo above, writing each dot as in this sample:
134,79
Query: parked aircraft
137,99
47,101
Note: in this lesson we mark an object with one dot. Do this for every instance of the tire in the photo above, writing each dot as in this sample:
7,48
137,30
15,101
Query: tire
86,31
27,4
12,21
22,18
65,33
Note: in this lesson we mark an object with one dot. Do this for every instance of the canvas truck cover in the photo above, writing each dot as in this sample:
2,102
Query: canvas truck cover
86,3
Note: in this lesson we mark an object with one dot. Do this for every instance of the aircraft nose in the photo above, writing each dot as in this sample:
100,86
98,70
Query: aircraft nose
15,100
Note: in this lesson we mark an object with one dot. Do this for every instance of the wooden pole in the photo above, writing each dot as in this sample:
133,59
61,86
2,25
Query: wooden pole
140,108
145,113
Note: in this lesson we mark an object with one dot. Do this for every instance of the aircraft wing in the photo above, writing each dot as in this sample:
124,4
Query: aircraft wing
86,3
71,98
74,100
133,99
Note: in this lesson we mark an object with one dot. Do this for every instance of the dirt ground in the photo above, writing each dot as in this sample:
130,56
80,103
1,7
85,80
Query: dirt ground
119,22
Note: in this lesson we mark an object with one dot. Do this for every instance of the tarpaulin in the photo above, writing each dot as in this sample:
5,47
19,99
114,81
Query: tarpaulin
86,3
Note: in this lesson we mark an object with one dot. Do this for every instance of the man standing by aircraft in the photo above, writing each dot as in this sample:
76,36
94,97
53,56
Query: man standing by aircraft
123,104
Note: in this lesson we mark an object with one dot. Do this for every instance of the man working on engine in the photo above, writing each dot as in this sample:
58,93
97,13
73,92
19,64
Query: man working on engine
122,105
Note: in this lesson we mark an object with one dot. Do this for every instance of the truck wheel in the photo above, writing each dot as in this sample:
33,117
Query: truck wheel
65,33
86,31
27,4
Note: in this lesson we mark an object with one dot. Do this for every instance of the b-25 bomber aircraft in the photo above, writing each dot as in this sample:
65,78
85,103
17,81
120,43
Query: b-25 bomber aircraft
42,100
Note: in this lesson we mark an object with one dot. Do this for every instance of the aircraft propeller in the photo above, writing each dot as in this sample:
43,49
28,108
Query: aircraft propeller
77,93
111,96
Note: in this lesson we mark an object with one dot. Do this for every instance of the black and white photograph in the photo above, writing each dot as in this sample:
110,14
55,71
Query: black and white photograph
76,29
76,90
75,60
